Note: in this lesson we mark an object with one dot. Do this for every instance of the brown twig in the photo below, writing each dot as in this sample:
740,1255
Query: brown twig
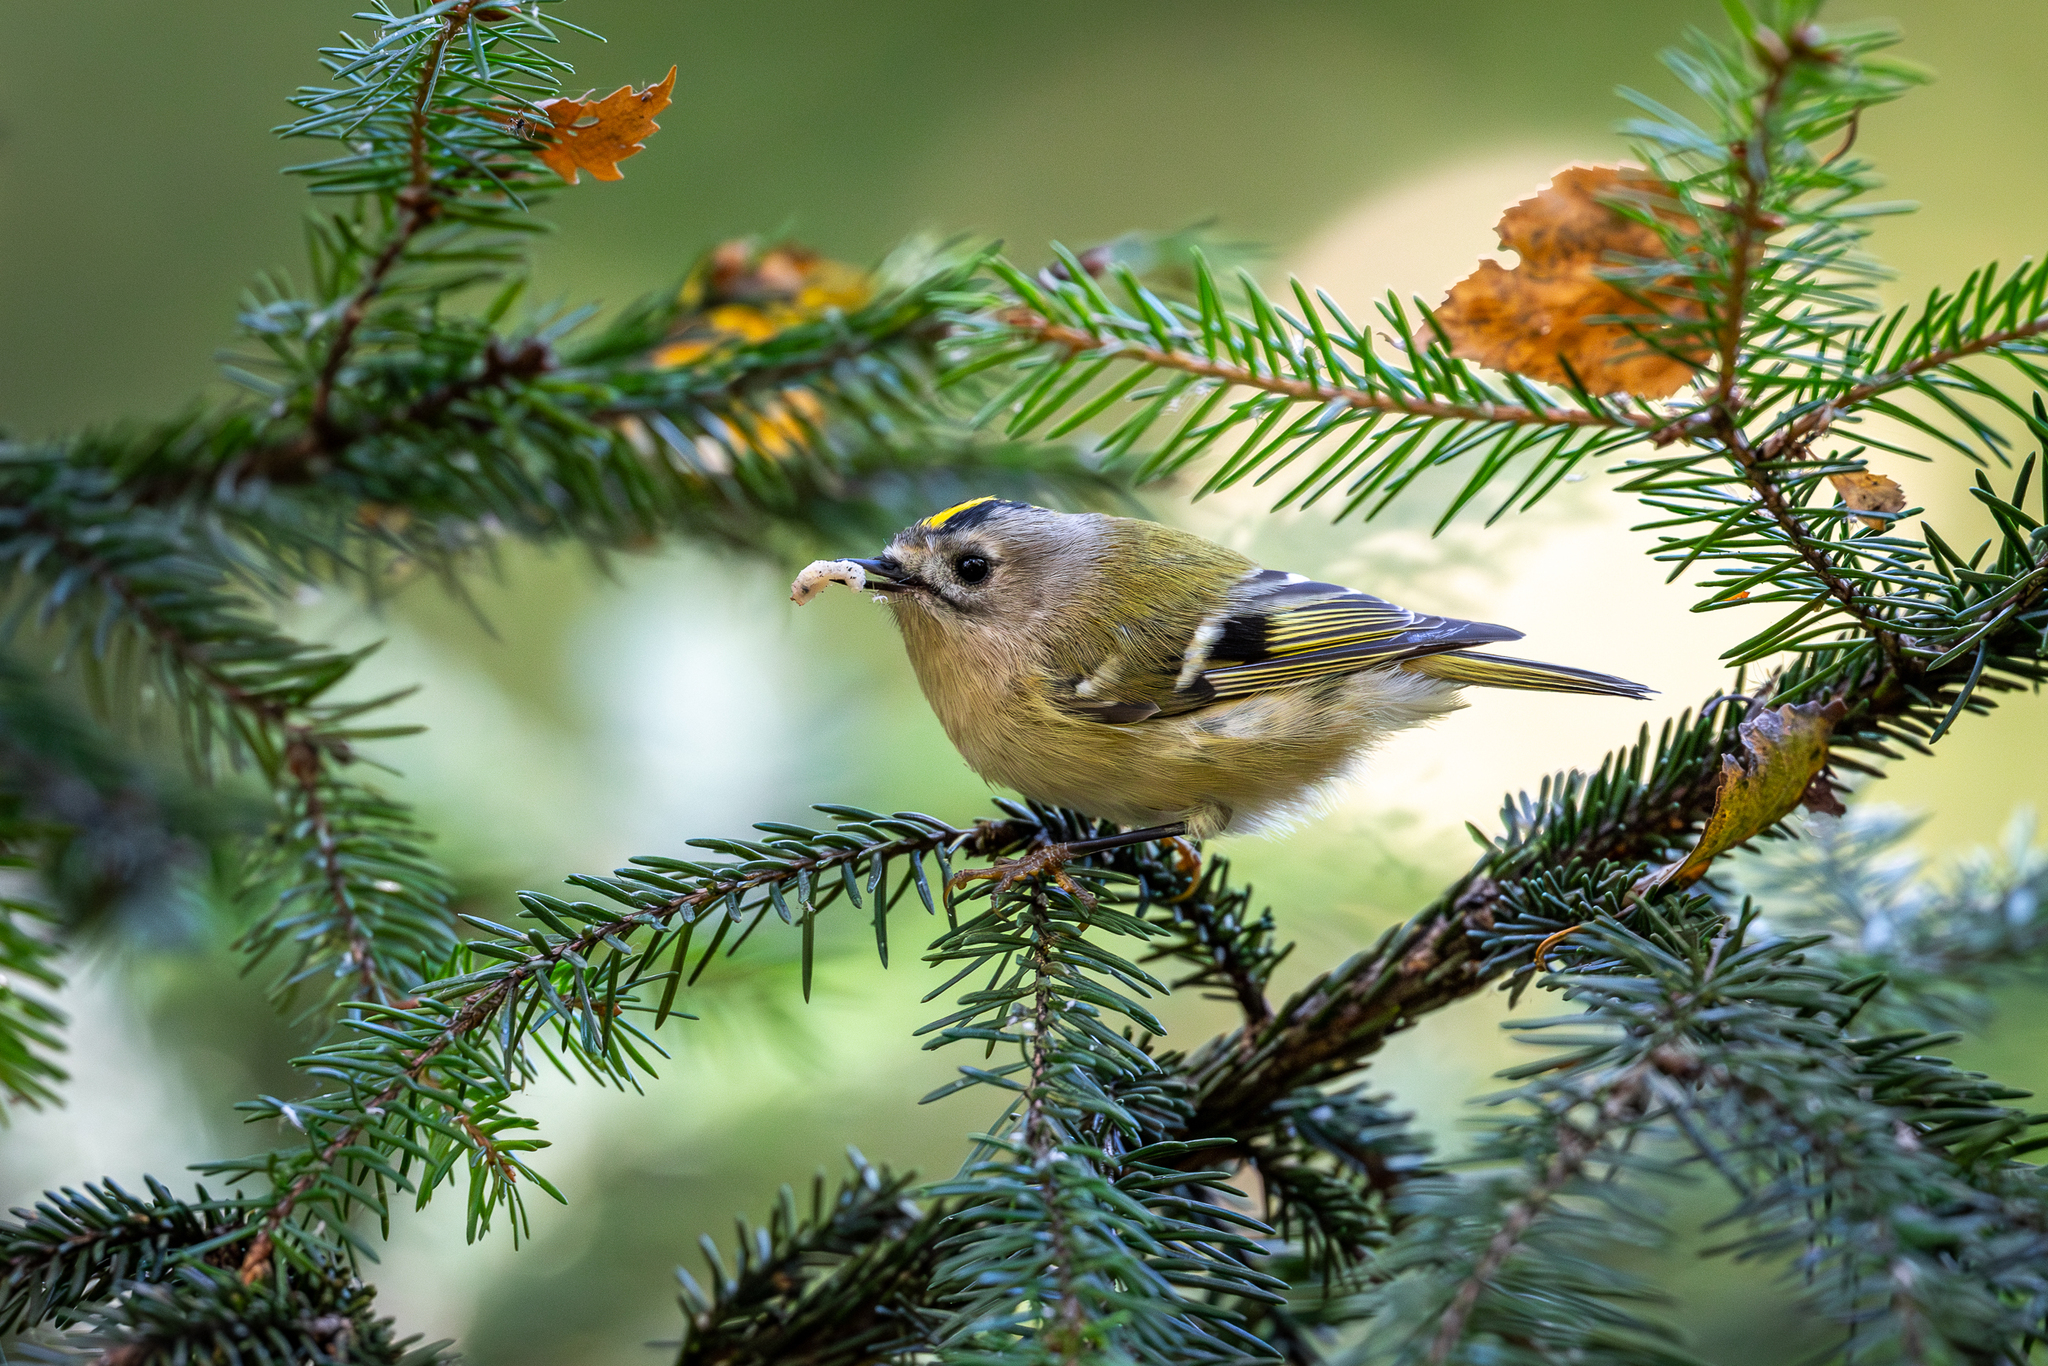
1773,499
1724,407
1075,340
1067,1338
1748,216
481,1005
494,1157
1848,139
305,759
1814,421
1575,1148
418,206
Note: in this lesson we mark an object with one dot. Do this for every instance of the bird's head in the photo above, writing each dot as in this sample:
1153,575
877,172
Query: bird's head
987,562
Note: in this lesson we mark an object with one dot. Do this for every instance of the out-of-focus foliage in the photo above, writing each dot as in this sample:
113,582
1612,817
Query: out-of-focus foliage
403,408
1942,940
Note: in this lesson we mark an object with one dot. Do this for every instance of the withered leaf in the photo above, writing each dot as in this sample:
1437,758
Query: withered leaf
1820,796
1784,750
1534,319
742,291
1869,492
596,135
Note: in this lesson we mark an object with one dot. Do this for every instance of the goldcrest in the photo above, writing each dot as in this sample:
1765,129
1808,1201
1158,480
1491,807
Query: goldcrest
1143,675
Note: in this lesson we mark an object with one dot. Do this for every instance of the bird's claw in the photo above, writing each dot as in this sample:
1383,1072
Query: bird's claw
1047,860
1187,862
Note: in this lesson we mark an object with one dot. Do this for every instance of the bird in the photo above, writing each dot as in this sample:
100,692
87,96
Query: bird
1146,676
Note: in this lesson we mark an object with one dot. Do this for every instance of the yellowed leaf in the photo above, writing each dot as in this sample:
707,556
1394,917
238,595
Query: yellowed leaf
744,292
1784,750
596,135
1869,492
1533,320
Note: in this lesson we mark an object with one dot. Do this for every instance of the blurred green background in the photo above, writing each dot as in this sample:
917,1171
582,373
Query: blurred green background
1367,144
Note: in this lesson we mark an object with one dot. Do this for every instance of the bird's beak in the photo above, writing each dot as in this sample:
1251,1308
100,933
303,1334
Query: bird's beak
886,576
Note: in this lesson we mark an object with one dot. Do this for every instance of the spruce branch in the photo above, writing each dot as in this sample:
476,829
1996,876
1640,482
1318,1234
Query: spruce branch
1796,534
107,577
1845,1150
1078,1241
82,1247
459,434
1751,159
1064,1332
1213,931
319,417
1296,383
395,105
1638,804
778,1302
1075,341
1940,941
205,1314
1800,426
1335,1163
1567,854
30,1028
457,1055
1620,1103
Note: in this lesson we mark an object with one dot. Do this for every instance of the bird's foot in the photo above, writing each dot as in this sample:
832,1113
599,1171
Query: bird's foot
1188,863
1046,860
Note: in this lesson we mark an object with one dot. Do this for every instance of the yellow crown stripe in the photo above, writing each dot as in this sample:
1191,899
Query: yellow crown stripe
939,519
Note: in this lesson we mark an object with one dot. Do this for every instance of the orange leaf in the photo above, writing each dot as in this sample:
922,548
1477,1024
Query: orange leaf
741,292
1869,492
1534,319
596,135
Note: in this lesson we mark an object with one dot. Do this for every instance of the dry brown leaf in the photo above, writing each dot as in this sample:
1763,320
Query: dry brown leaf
596,135
742,291
1532,320
1867,492
1784,750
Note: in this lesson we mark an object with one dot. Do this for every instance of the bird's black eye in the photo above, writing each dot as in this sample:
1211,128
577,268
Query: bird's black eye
971,568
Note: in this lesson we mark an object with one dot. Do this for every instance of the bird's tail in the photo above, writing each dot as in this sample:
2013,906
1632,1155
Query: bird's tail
1493,671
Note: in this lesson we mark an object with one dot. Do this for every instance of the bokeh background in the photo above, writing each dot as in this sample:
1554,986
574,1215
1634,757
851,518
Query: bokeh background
1367,145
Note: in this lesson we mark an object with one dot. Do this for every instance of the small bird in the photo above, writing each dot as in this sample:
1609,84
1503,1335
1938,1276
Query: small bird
1143,675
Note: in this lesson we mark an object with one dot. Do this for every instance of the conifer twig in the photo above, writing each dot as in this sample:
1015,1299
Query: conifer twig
305,758
1026,323
1772,497
1067,1335
479,1006
1575,1148
418,206
1746,219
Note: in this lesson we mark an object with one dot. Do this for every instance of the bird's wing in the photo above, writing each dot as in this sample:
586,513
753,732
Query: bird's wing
1273,630
1282,630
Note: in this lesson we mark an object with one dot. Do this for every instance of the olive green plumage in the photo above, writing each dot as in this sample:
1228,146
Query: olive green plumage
1144,675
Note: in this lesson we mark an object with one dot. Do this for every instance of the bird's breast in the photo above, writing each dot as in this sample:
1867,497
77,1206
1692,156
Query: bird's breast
974,679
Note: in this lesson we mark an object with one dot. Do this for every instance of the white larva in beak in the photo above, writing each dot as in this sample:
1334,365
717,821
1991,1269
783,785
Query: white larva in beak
818,573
